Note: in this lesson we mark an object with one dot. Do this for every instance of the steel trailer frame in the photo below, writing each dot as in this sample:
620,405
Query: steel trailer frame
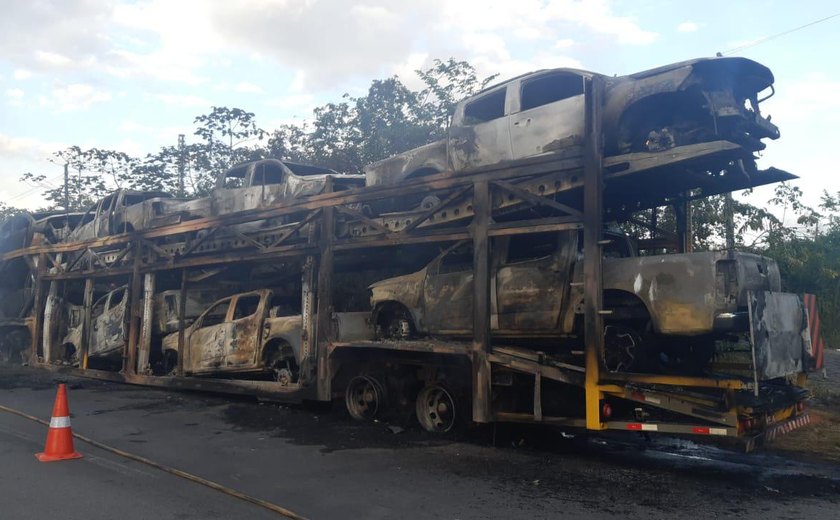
589,187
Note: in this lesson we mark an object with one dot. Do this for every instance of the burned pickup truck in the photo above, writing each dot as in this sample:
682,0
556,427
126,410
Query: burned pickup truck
266,182
257,333
122,211
690,102
661,308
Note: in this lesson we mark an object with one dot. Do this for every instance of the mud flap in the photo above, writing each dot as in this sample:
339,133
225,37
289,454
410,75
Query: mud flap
779,330
776,431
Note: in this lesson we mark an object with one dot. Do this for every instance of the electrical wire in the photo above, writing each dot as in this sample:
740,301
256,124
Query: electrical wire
168,469
774,36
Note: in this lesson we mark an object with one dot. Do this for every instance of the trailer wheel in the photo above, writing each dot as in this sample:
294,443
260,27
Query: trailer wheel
436,409
365,398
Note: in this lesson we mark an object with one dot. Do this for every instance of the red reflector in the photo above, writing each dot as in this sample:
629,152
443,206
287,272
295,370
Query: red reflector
606,410
634,426
700,429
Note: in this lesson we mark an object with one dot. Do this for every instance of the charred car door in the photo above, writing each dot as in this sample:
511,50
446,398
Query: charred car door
250,186
104,214
208,338
550,114
448,292
241,350
480,134
532,281
108,323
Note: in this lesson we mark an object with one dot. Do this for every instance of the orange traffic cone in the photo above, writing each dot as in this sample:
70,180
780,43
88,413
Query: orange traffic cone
59,439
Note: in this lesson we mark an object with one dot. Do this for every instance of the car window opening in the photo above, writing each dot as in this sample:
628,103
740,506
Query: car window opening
486,108
532,246
550,88
458,260
246,306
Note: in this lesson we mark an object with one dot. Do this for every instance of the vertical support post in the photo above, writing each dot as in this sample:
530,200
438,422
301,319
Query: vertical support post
66,187
87,304
133,310
181,165
38,307
52,312
324,330
592,233
682,212
482,412
182,309
729,220
146,324
308,332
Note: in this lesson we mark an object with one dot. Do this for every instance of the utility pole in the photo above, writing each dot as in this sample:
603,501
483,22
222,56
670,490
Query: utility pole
66,187
181,165
729,220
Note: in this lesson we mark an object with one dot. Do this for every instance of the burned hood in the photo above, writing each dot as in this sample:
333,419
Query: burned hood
751,74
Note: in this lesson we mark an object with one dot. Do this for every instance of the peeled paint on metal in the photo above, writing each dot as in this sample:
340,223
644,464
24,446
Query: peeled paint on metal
778,329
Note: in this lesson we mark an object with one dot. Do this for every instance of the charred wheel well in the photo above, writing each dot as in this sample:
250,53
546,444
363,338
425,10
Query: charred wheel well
386,311
654,112
625,307
277,347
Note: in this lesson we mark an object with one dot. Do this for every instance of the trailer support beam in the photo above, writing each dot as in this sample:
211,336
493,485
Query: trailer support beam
592,232
481,307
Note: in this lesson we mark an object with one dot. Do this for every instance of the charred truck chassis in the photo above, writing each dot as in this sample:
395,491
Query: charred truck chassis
492,382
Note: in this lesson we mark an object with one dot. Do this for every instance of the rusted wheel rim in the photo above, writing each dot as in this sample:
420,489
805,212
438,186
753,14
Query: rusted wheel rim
364,398
436,409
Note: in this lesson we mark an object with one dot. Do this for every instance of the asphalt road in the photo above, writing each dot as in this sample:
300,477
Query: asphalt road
322,465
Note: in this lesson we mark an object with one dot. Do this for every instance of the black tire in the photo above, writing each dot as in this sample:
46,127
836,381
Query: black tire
365,398
439,409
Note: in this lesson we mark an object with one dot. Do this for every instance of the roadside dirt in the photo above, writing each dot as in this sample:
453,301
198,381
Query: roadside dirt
820,440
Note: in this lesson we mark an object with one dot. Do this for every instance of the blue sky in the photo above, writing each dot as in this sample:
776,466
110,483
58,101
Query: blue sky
132,75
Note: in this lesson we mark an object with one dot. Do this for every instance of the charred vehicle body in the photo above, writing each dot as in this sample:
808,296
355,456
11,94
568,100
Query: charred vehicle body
542,112
252,333
268,182
123,211
654,302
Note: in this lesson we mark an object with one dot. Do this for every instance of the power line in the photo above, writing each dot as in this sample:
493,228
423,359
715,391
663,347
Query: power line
774,36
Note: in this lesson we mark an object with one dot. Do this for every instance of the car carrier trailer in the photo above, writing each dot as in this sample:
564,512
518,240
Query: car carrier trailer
485,379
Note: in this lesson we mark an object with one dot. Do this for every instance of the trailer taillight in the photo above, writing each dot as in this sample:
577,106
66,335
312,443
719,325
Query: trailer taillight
748,424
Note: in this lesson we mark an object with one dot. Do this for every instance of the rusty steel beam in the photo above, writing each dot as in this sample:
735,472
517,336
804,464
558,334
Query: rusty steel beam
133,312
593,189
37,307
482,204
86,323
324,330
182,309
145,344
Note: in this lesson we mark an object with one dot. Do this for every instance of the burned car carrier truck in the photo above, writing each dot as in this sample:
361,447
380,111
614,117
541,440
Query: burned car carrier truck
488,285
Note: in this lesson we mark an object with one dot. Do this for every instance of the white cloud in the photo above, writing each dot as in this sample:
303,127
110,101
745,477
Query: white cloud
52,58
293,102
248,88
186,100
21,74
26,148
15,96
76,96
565,43
687,27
